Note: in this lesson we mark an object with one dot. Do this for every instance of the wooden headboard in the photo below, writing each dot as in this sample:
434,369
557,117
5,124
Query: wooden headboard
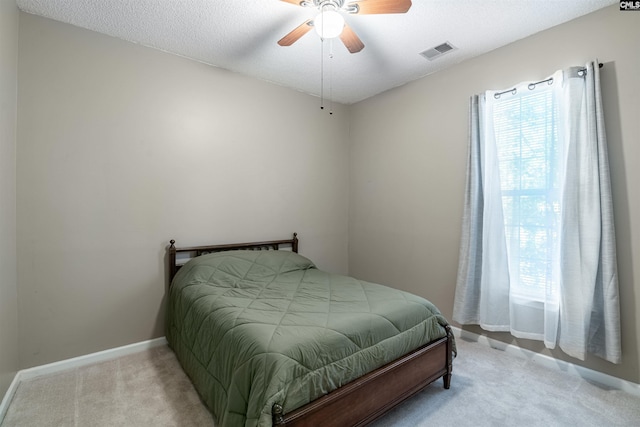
179,256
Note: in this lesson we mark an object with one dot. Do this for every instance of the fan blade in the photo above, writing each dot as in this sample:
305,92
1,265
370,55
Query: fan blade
369,7
351,40
296,2
294,35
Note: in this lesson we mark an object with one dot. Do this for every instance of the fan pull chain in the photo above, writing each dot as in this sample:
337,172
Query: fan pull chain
322,74
331,77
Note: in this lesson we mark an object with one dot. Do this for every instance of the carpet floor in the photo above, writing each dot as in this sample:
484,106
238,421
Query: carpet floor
489,388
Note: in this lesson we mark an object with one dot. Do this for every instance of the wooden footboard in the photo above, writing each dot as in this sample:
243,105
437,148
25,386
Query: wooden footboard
367,398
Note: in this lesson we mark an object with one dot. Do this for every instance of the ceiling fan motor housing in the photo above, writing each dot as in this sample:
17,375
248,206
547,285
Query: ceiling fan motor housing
329,3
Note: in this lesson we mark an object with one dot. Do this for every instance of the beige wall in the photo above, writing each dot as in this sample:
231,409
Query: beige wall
121,148
408,157
8,267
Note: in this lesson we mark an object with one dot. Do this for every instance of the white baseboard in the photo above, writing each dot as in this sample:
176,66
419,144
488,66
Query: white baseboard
551,363
88,359
72,363
8,396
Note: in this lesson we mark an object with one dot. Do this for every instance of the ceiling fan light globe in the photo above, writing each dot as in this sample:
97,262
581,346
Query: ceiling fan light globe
329,24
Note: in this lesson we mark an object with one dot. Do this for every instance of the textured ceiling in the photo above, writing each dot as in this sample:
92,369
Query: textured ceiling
242,36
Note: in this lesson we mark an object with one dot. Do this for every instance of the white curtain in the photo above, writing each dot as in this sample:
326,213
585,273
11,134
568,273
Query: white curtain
579,307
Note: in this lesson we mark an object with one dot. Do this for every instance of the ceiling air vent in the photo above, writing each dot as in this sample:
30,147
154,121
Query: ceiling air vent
438,51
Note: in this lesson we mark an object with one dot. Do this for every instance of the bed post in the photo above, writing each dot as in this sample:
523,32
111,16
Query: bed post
172,261
447,377
294,243
277,413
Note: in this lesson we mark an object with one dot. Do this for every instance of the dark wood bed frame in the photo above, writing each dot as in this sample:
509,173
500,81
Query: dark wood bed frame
370,396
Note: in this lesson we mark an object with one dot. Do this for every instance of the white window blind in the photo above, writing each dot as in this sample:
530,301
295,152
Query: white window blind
526,132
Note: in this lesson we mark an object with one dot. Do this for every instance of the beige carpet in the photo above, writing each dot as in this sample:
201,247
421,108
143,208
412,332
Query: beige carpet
144,389
489,388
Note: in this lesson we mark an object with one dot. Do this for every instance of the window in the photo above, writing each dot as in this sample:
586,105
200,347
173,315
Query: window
526,134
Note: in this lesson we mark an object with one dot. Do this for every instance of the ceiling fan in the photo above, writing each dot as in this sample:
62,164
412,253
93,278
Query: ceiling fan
330,23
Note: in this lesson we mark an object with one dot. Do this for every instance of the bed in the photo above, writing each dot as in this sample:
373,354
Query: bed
269,339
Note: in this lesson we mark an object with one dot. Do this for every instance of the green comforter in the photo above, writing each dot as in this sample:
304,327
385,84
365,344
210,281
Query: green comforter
254,328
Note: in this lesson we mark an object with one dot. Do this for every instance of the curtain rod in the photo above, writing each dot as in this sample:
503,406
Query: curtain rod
532,86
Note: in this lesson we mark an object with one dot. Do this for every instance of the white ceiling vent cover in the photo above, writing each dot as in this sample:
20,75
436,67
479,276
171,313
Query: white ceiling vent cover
438,51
